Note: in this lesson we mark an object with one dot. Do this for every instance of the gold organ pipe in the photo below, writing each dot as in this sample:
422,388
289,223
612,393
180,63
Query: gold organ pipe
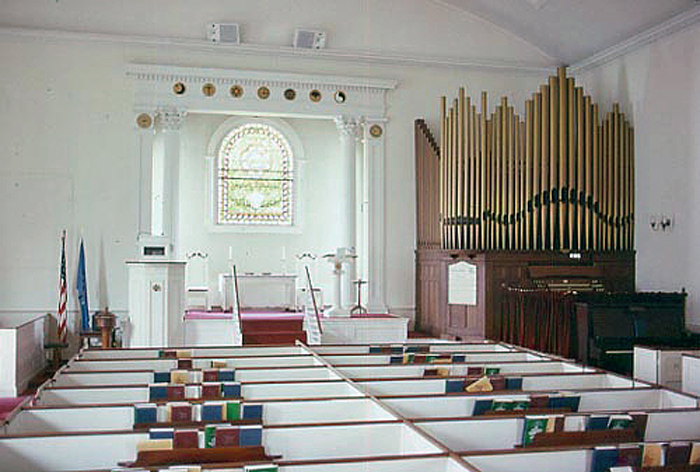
571,167
546,182
580,191
558,177
586,208
562,157
528,209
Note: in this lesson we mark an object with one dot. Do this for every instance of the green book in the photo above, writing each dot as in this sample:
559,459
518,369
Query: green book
492,370
533,425
620,422
503,405
519,405
210,435
233,411
261,468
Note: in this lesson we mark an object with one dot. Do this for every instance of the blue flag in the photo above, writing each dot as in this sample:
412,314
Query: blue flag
81,287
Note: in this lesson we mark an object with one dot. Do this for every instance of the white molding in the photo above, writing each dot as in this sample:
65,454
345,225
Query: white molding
655,33
363,57
154,89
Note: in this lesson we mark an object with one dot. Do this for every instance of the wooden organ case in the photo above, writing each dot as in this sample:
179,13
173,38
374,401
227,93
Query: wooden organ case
543,198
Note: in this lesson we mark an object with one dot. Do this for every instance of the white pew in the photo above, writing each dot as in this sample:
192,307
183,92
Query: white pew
88,452
152,353
22,354
591,401
473,357
77,379
417,370
326,350
532,383
117,418
690,365
167,364
577,460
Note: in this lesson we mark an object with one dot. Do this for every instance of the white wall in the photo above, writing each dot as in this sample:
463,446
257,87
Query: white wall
659,87
68,158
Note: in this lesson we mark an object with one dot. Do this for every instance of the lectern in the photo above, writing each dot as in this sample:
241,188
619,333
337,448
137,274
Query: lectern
156,303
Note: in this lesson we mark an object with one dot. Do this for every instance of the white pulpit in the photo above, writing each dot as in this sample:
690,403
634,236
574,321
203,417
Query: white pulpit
156,303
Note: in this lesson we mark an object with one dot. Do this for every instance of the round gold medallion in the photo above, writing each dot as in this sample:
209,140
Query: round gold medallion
376,131
144,120
208,90
315,96
340,96
236,91
179,88
263,93
290,94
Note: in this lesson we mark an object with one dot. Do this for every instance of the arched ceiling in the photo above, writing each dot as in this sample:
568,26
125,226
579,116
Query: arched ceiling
573,30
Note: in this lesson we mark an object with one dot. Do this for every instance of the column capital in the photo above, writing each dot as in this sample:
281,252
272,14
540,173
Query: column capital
171,118
348,126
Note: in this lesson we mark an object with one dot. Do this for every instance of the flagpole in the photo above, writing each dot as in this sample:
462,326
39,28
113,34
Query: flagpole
62,295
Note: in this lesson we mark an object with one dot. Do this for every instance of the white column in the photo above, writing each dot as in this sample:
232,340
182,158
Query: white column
374,133
348,128
144,143
166,175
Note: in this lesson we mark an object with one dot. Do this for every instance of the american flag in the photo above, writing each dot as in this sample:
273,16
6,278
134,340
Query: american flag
62,295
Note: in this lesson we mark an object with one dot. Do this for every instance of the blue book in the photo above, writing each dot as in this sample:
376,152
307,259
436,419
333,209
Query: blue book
597,422
570,403
212,412
604,457
514,383
161,377
227,375
252,411
231,389
482,406
375,349
145,413
412,349
161,433
397,349
250,435
454,385
396,360
158,392
459,357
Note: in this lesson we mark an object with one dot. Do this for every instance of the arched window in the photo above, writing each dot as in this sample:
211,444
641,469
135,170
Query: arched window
255,177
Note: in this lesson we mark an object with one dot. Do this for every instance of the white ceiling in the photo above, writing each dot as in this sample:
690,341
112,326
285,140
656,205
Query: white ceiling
572,30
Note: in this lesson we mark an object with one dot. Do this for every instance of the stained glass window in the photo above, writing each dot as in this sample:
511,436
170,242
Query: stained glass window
255,177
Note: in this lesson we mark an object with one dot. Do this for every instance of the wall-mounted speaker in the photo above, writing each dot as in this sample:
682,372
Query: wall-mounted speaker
228,33
309,39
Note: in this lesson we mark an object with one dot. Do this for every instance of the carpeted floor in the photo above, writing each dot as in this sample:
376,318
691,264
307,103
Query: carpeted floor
9,404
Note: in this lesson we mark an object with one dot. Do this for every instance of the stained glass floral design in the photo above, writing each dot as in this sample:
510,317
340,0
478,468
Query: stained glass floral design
255,177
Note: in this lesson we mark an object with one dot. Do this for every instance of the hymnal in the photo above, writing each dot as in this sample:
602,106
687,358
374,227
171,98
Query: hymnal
226,436
252,411
210,375
186,439
250,435
604,457
145,413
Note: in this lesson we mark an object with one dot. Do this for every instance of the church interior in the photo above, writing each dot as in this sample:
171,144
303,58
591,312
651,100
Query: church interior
359,235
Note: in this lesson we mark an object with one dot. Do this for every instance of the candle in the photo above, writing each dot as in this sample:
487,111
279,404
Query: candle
230,253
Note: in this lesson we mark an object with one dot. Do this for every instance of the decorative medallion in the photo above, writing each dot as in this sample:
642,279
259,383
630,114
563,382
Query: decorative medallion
340,96
236,91
179,88
144,120
375,131
263,93
315,96
290,94
208,90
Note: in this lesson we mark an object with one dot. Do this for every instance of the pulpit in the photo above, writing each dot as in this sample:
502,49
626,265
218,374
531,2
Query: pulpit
156,303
